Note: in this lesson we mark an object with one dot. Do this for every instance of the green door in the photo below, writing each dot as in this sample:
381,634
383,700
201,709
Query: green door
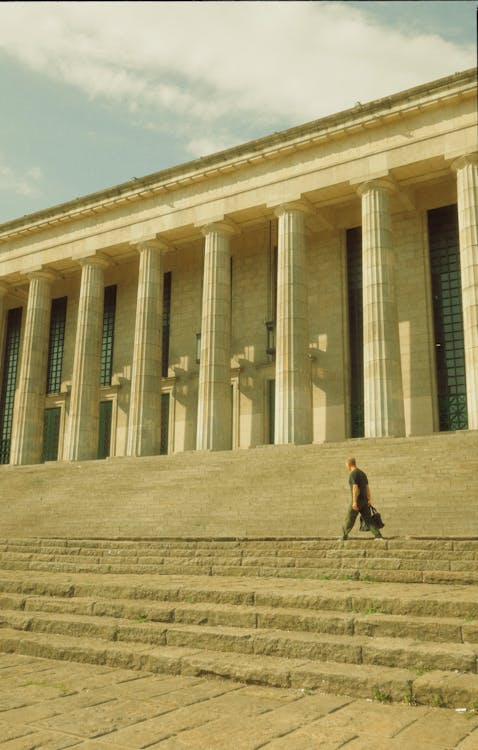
51,433
164,449
271,403
104,436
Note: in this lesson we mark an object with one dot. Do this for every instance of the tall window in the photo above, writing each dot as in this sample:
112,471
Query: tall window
56,344
272,302
10,365
166,323
355,299
448,317
109,312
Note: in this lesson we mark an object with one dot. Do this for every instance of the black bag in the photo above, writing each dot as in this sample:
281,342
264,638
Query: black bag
376,518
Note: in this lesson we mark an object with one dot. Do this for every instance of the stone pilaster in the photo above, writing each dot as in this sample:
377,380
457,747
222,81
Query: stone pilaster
85,388
293,397
144,426
214,390
27,427
383,390
467,194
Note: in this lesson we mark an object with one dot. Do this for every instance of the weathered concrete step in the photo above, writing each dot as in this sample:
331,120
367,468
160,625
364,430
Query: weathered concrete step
371,622
435,688
254,546
418,600
389,652
347,572
362,560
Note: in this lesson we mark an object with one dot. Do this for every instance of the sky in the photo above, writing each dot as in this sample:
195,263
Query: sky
93,94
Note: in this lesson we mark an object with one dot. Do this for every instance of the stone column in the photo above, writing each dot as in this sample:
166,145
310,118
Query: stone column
214,390
383,390
144,426
27,427
85,388
293,397
467,193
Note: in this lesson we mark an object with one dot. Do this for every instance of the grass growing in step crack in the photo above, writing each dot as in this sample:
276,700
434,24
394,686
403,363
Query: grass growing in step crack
408,696
141,618
372,610
381,696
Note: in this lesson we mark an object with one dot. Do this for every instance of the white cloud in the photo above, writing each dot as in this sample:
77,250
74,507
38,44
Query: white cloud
26,183
207,67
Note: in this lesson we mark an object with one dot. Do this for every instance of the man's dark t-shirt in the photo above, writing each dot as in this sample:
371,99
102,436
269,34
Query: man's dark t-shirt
359,477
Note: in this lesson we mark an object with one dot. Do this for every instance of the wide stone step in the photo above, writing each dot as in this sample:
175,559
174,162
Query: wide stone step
338,596
370,622
366,681
388,652
271,546
392,571
366,560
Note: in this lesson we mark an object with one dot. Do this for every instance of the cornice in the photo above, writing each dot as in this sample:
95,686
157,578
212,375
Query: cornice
362,116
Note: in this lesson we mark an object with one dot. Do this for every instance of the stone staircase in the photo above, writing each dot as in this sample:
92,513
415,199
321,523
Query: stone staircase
393,620
421,485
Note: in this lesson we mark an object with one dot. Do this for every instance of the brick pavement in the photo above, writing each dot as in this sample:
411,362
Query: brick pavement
51,705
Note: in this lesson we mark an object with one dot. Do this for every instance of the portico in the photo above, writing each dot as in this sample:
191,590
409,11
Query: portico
260,244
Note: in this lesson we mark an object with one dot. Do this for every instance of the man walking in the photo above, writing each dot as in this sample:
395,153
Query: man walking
361,500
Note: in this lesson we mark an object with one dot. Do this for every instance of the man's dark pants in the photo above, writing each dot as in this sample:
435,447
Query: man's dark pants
351,517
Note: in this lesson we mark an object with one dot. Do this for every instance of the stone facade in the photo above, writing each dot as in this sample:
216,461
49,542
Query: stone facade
255,345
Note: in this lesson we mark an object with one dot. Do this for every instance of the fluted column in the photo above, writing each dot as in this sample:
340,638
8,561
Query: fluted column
214,390
293,398
383,390
144,427
27,427
85,388
467,194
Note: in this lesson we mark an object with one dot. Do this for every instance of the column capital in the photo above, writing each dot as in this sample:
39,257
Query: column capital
47,274
464,161
4,288
224,226
301,204
99,259
159,244
381,183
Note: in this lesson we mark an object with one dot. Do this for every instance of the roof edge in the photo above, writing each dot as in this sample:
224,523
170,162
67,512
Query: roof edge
136,186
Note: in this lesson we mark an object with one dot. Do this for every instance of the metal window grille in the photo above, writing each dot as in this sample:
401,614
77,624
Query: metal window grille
10,365
355,303
109,312
166,323
448,318
56,345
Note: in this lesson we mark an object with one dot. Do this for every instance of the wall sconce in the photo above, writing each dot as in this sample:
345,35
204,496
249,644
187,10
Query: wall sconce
271,337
